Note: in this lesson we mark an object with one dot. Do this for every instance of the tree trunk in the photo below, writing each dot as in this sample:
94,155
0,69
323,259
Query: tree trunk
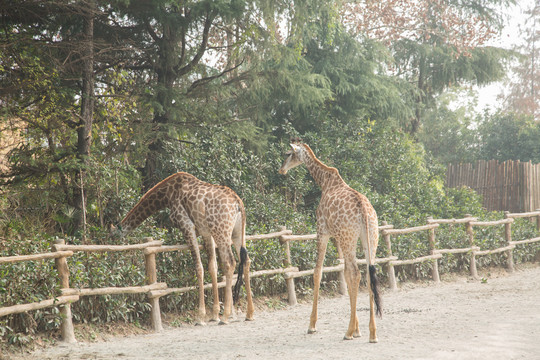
171,66
84,131
166,76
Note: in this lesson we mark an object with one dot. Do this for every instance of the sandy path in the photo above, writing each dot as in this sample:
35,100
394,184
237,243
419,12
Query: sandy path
462,319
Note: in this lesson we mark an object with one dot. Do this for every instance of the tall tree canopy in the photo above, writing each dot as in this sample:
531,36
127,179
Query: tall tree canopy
90,86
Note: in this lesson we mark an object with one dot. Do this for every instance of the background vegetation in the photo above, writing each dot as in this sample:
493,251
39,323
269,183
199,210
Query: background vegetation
102,99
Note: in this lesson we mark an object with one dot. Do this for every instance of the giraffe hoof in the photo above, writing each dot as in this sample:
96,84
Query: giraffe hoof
223,322
312,331
373,341
250,318
357,334
348,337
200,323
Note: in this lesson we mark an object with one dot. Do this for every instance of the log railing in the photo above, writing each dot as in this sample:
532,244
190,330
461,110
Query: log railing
154,290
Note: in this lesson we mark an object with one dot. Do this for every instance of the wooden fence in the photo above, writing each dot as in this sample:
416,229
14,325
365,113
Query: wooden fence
154,290
509,185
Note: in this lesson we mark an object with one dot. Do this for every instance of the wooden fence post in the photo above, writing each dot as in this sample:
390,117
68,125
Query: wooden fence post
66,327
291,291
470,234
508,238
538,222
537,255
435,266
151,278
389,266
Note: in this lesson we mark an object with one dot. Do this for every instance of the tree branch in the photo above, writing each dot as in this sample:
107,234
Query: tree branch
202,48
206,80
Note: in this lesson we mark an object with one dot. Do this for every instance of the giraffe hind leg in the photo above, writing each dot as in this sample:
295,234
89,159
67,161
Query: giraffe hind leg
250,308
228,265
212,269
352,275
374,303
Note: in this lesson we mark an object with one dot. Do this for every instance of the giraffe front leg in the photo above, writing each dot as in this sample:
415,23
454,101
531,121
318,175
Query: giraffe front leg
322,242
194,246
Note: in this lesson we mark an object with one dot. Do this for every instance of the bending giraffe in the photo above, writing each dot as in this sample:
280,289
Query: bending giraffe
214,212
345,215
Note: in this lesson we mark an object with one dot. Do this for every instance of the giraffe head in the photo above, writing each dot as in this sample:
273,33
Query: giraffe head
117,231
294,157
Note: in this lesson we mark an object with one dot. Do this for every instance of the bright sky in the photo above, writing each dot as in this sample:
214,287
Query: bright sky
487,95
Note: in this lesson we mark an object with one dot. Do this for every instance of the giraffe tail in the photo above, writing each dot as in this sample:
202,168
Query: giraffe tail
375,290
239,279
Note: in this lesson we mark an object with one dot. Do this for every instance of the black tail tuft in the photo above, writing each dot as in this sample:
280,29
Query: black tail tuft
375,289
239,279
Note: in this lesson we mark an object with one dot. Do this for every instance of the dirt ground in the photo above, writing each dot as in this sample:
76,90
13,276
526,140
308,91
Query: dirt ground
458,319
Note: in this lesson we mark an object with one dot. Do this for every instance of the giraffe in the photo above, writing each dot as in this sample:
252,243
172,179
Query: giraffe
214,212
343,214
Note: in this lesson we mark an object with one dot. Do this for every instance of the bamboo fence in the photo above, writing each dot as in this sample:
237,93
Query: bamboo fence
154,290
509,185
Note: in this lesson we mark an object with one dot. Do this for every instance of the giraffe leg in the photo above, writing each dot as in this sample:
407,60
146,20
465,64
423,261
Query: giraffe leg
238,239
357,332
250,308
372,325
212,269
194,246
322,242
228,264
352,275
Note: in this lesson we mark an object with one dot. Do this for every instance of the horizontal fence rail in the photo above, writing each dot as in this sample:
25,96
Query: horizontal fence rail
155,290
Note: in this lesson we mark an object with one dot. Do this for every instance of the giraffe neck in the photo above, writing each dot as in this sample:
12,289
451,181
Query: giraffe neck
154,200
326,177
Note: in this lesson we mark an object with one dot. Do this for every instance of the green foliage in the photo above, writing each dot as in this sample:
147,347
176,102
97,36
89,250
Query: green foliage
447,134
453,136
27,282
157,102
434,66
509,136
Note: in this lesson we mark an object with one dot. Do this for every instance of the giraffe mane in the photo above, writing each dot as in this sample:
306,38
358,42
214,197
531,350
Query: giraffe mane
145,196
319,162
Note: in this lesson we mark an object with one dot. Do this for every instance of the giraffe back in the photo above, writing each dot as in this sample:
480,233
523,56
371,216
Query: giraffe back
213,209
346,213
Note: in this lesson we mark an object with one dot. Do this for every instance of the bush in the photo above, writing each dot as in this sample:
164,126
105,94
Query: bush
395,174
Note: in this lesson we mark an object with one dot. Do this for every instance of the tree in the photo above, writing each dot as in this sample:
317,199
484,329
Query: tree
509,136
207,60
524,96
359,84
48,93
448,134
436,44
461,25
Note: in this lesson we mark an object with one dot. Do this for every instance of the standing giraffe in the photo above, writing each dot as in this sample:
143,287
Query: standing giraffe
345,215
214,212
